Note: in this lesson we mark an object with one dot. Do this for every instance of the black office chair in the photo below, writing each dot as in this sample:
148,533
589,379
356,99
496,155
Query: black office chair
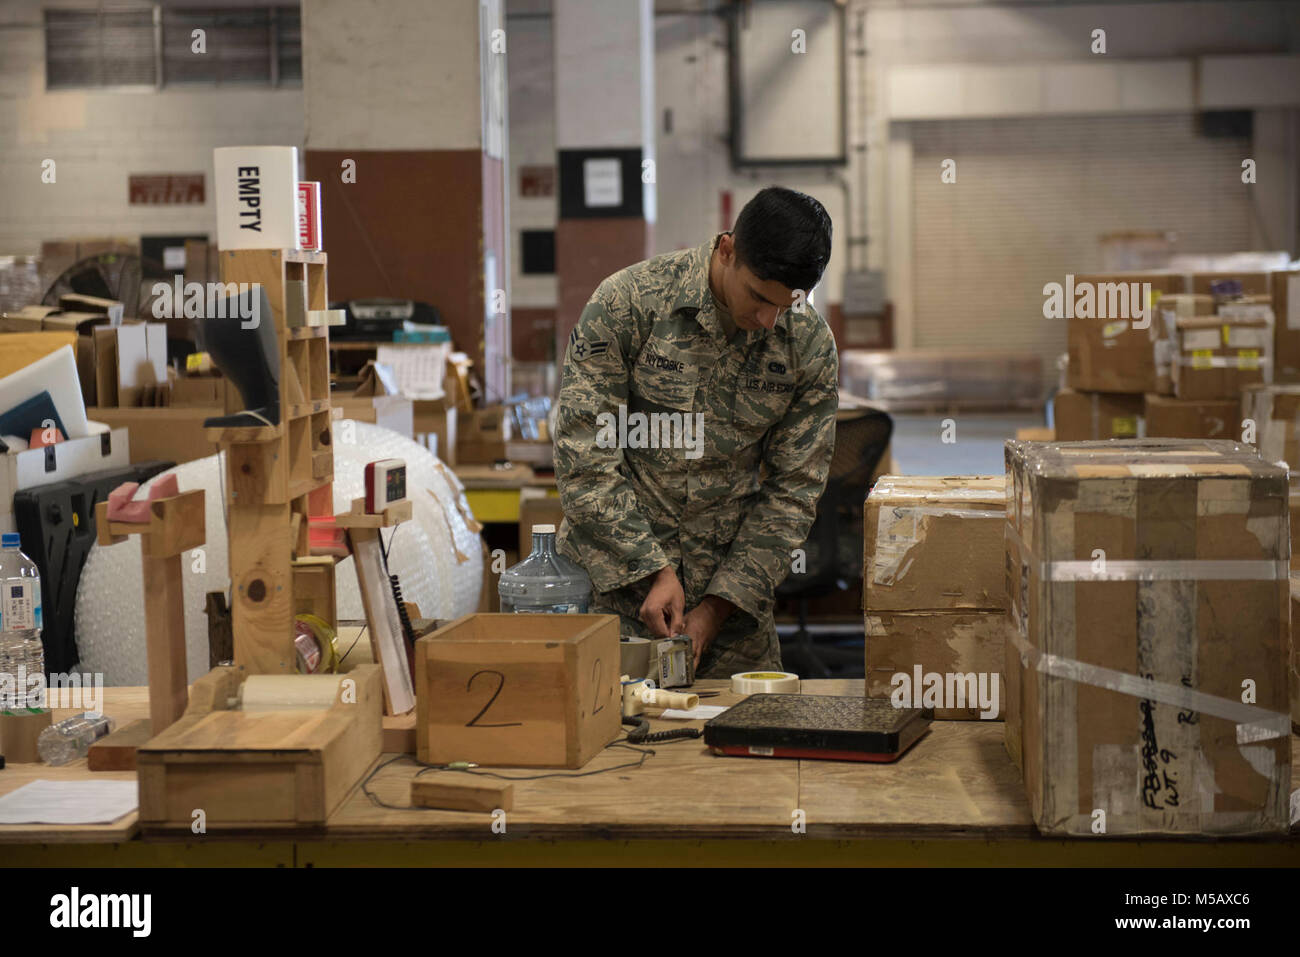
833,551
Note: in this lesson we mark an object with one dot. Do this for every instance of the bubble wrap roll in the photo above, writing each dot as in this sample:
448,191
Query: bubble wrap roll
438,556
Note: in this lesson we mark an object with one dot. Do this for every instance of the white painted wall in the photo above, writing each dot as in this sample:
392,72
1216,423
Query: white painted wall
532,143
97,138
416,89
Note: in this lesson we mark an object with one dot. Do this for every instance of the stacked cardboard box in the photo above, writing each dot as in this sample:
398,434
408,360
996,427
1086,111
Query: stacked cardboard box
933,583
1191,360
1097,415
1295,652
1117,352
1215,357
1272,413
1285,289
1147,584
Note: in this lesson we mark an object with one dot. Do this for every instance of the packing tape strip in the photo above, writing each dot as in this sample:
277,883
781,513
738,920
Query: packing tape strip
765,682
1125,570
1253,724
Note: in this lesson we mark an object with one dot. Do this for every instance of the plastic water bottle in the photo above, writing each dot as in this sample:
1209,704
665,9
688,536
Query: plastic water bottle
71,738
545,582
21,652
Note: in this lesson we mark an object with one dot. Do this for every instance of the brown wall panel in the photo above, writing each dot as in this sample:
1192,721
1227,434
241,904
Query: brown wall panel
532,334
411,226
587,251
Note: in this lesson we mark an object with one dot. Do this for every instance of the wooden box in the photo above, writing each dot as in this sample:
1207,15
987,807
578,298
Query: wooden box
281,768
1146,580
518,690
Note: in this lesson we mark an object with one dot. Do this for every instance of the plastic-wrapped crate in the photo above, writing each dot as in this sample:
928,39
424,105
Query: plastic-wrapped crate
899,381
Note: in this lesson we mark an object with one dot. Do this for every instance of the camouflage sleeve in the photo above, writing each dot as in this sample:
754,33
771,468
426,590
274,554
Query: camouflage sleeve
605,530
795,466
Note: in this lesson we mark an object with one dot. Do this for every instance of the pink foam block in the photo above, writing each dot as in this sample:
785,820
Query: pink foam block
122,506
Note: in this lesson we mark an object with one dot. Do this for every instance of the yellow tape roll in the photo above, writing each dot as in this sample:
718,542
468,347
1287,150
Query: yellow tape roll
760,682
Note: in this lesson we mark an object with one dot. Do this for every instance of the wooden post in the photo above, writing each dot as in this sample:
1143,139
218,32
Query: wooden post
175,526
275,474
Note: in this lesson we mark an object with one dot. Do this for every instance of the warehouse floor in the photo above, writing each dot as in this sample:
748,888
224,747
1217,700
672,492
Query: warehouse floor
918,447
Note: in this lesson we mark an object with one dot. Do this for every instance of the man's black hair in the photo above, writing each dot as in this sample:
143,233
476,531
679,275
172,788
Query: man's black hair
784,235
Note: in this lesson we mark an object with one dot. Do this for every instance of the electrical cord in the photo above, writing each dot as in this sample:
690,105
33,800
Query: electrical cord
641,733
354,643
463,768
404,617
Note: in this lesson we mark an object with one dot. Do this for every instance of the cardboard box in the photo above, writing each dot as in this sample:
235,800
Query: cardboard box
536,508
1295,527
1108,354
1124,679
436,426
1097,415
59,463
966,649
538,691
20,349
166,435
199,391
1275,412
1170,418
480,453
1295,653
1169,309
1216,356
934,542
490,424
389,411
1286,327
1252,283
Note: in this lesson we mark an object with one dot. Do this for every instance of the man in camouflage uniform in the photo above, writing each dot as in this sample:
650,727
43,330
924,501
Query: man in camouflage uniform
718,337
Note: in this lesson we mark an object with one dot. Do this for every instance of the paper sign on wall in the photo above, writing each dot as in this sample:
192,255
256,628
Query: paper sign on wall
602,182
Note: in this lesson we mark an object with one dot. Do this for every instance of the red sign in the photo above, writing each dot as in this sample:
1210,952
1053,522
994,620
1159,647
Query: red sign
166,189
537,180
308,215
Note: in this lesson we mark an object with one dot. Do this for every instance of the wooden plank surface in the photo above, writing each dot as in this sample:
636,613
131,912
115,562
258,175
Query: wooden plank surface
956,782
124,705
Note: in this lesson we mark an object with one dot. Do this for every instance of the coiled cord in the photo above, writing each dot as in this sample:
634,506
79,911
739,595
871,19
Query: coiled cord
640,733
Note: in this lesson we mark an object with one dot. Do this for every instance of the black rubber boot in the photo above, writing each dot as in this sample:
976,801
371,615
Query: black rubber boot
250,358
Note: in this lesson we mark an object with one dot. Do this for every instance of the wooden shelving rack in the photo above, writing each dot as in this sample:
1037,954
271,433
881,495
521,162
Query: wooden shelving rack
277,476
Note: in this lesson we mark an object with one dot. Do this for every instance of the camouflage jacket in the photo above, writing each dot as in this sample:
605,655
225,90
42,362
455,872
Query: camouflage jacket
722,482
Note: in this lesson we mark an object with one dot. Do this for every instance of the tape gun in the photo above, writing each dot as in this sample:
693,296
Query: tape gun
675,661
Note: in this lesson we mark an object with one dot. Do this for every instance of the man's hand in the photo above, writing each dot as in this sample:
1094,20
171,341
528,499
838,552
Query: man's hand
705,621
662,609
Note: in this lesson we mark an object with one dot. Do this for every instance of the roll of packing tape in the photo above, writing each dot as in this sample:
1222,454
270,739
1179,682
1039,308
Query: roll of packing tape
764,682
289,692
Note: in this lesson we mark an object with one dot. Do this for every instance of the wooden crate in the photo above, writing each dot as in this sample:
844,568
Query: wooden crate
518,690
268,769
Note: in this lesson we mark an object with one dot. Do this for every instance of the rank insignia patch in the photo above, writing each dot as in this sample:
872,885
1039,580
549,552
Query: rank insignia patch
581,347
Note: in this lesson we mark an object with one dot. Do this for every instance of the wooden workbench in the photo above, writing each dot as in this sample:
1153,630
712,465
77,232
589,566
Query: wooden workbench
955,797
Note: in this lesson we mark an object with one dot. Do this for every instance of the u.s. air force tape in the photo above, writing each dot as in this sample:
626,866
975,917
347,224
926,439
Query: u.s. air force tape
765,682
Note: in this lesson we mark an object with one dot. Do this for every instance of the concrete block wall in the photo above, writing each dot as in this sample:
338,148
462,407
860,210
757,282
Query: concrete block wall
97,138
